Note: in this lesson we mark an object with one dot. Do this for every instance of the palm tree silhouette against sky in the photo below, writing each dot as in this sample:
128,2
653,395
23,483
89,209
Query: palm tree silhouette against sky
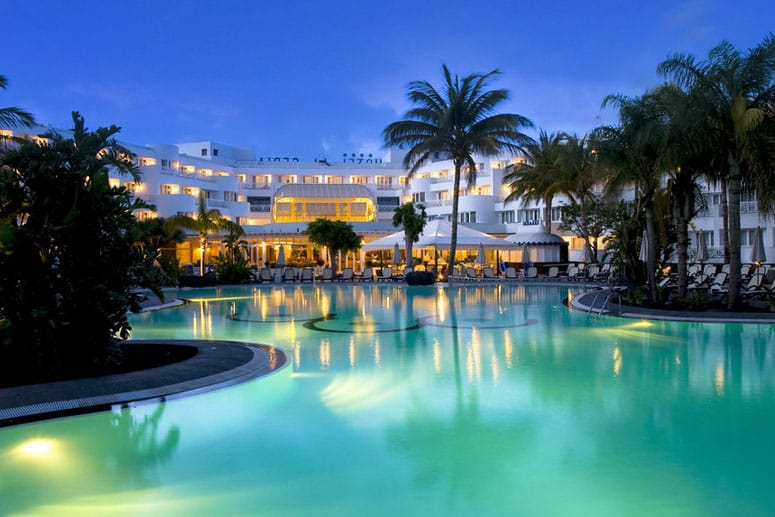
456,121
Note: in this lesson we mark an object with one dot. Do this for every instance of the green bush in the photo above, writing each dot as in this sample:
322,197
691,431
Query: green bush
70,258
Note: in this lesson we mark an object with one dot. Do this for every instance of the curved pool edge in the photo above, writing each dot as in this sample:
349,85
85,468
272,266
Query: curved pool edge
217,364
592,303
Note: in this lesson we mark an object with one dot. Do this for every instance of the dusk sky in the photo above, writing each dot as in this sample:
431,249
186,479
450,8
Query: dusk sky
313,79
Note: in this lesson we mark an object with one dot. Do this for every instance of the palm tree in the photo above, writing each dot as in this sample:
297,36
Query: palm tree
335,235
13,117
457,121
688,160
206,222
581,173
233,244
638,146
737,92
413,222
539,178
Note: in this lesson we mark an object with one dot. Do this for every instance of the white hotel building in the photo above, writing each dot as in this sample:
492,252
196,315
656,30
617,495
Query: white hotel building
273,198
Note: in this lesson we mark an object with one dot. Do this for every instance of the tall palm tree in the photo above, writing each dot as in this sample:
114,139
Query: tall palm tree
737,93
540,177
638,146
13,117
582,173
458,121
205,223
688,160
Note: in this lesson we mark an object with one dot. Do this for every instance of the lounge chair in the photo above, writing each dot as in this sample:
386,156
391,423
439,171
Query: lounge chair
471,274
386,274
265,275
603,273
530,273
367,275
719,282
347,275
457,274
307,275
488,273
510,273
574,273
289,275
754,285
327,275
553,273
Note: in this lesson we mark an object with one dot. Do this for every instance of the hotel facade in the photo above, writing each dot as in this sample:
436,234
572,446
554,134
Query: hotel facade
274,198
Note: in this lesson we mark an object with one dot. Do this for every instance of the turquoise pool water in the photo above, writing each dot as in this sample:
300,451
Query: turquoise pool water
396,400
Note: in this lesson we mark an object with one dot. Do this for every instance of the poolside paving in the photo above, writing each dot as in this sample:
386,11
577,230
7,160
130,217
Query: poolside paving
216,364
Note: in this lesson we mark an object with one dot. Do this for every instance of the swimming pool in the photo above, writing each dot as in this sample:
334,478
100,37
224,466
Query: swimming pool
396,400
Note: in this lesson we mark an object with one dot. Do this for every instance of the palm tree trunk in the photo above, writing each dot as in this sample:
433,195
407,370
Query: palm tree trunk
455,201
548,213
724,208
681,220
203,249
734,231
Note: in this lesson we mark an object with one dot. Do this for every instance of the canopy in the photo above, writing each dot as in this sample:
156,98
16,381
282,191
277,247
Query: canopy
438,234
537,244
536,237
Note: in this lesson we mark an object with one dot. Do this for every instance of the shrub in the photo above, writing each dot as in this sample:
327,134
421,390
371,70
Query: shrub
70,259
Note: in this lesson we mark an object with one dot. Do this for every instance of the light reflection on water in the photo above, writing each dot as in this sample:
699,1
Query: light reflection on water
493,400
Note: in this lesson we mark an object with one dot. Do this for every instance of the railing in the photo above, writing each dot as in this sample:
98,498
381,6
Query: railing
255,186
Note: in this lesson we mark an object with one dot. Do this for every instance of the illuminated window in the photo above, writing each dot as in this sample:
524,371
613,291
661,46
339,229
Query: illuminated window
169,188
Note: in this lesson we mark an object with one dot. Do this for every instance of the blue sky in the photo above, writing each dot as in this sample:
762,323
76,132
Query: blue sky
313,79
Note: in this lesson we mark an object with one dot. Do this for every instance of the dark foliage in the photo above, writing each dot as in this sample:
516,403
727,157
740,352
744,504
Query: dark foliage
70,255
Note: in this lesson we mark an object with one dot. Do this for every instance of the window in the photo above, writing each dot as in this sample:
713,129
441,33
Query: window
747,236
169,189
215,152
709,239
260,204
530,215
507,217
418,197
556,214
204,152
388,201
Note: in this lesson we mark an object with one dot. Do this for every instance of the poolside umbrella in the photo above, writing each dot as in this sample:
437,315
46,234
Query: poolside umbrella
643,256
701,255
480,258
758,255
525,254
396,254
280,264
